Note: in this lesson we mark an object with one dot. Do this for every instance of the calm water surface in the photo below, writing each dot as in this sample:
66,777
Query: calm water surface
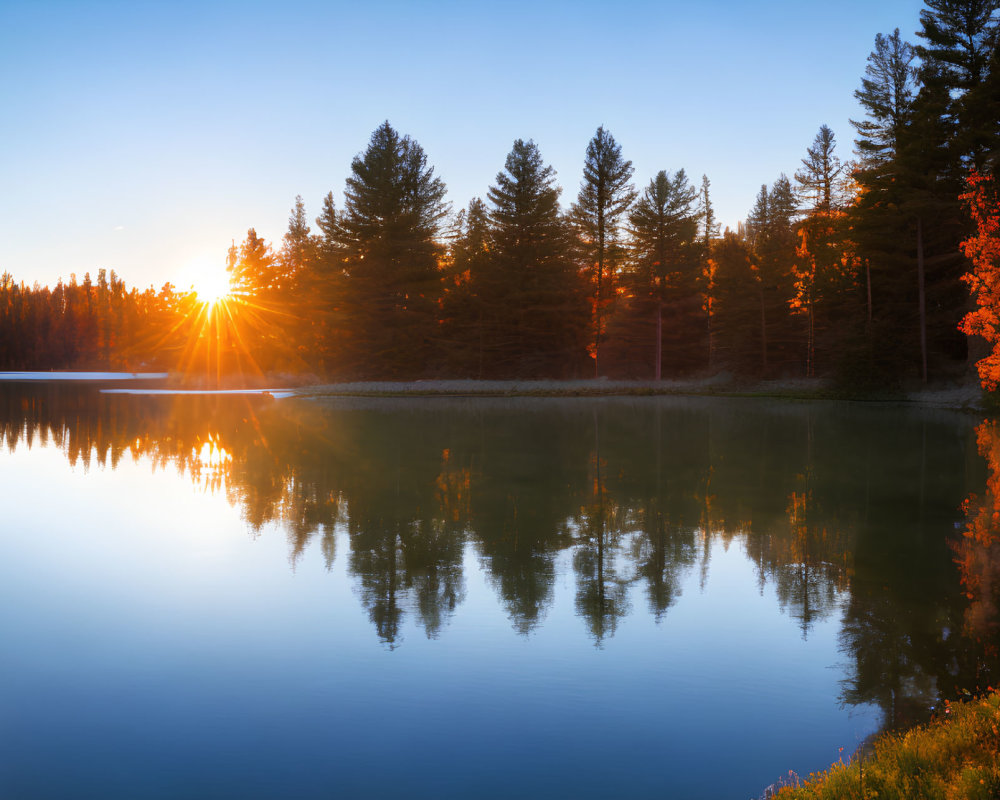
230,597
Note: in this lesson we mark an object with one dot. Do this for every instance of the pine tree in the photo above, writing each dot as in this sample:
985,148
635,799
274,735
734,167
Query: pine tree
538,324
960,44
771,240
259,320
467,305
820,275
739,331
886,93
820,172
329,249
709,232
253,267
298,248
303,299
387,236
663,277
606,193
951,124
897,144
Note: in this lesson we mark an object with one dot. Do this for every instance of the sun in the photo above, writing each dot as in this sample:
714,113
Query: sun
209,280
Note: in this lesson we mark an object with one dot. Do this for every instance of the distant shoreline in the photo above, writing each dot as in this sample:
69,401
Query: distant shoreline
966,396
961,396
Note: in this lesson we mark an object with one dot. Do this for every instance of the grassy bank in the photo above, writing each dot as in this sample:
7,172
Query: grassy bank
956,756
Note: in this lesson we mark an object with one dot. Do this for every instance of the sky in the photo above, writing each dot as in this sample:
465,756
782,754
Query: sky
144,137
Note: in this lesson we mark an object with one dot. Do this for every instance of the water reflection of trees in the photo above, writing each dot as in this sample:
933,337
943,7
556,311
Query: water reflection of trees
978,553
839,511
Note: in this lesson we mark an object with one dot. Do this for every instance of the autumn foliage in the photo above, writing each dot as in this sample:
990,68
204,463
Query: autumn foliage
977,554
983,250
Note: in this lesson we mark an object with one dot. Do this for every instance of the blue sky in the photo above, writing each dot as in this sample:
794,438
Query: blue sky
144,137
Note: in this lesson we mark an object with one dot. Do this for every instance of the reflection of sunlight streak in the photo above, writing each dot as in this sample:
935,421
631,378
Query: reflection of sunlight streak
210,465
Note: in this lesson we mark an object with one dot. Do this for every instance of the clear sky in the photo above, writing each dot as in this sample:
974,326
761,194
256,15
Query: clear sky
145,136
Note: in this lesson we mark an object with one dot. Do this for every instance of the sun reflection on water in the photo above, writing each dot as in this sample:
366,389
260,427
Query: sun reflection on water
210,464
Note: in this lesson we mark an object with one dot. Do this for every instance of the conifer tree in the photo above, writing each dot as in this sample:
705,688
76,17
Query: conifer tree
820,171
329,249
960,43
262,318
606,193
663,277
739,331
771,240
886,93
820,275
387,236
877,227
303,301
298,247
709,232
540,323
952,123
467,306
253,266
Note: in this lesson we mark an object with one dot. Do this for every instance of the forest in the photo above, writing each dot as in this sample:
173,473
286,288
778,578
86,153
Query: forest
873,271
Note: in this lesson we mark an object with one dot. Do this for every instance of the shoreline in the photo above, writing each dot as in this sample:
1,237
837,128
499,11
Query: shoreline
966,395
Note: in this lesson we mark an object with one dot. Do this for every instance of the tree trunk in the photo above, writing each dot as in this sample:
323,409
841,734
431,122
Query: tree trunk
709,326
659,338
763,333
811,343
923,308
868,281
598,311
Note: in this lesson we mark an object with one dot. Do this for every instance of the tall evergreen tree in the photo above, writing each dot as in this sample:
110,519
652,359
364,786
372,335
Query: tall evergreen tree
303,301
886,93
326,290
820,172
951,123
709,232
388,238
298,246
467,304
662,282
261,320
821,277
253,267
606,193
328,244
539,320
771,239
960,43
738,321
893,145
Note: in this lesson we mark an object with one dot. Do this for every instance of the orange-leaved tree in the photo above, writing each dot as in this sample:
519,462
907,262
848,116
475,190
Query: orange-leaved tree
977,553
983,249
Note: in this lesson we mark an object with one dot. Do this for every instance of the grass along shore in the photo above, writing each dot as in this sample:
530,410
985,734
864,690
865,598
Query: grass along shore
955,757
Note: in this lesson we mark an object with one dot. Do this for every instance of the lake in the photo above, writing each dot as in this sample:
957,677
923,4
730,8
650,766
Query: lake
632,597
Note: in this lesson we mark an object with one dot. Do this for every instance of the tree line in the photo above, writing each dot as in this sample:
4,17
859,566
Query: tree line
852,269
